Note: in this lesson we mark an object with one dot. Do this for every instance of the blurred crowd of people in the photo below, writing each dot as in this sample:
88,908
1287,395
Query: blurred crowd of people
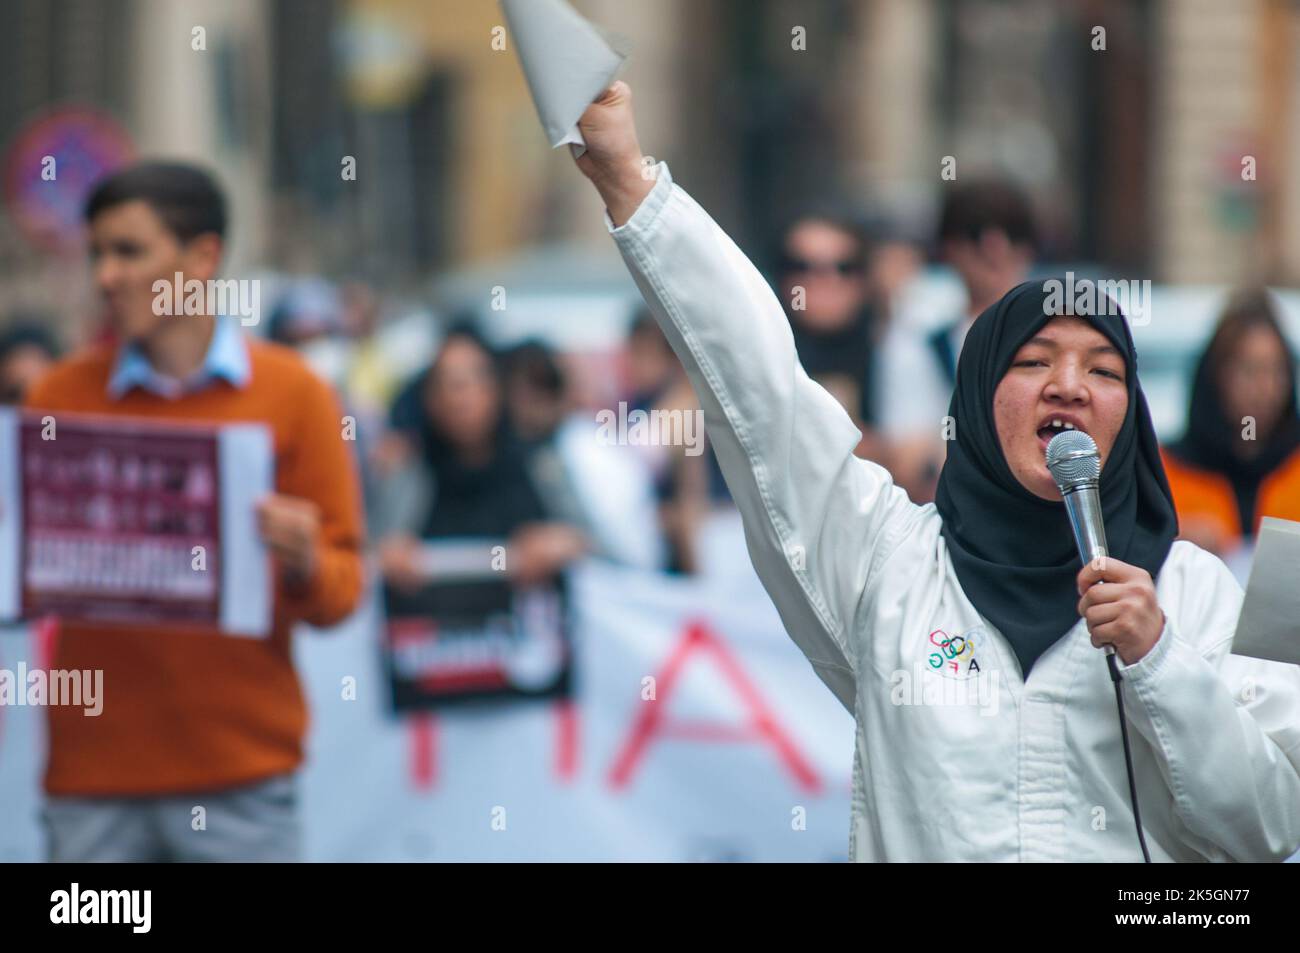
490,442
1237,461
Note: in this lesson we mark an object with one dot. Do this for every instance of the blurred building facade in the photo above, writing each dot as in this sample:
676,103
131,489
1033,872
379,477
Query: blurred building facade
1136,153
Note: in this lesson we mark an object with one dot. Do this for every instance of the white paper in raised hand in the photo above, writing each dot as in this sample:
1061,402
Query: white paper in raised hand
567,61
1269,624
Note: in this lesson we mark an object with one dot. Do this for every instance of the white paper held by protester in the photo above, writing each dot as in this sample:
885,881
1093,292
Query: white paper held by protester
246,458
1269,625
566,60
11,514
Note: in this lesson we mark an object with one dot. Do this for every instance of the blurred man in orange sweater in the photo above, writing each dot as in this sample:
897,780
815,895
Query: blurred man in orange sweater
192,718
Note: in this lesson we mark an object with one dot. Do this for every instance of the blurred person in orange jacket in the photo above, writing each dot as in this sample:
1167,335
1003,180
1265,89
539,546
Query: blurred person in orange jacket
1239,458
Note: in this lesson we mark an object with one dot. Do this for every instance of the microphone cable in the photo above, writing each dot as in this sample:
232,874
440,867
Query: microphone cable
1128,754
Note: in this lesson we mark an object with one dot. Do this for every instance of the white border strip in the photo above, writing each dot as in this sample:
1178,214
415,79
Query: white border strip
11,516
245,463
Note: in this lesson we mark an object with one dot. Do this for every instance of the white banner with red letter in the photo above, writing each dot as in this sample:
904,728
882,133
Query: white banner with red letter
697,731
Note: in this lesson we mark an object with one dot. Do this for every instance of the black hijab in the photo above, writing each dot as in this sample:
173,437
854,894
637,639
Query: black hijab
1013,552
1211,437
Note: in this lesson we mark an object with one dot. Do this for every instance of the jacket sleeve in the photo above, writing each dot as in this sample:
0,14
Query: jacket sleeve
1226,727
818,520
319,466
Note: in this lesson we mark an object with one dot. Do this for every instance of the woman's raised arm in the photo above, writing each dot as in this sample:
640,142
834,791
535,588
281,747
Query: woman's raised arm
818,520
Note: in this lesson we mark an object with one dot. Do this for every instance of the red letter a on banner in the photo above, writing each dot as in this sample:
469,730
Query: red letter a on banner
761,726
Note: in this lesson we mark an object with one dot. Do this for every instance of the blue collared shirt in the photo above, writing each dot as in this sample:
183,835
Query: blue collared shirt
227,359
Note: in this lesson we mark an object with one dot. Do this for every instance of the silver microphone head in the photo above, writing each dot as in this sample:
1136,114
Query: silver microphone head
1072,459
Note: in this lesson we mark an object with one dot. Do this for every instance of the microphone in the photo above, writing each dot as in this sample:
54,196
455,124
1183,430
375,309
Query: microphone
1075,465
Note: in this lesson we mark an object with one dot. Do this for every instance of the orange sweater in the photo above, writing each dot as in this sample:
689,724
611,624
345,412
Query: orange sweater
189,710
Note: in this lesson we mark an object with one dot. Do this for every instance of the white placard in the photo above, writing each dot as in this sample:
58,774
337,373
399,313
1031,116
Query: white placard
247,474
11,517
1269,625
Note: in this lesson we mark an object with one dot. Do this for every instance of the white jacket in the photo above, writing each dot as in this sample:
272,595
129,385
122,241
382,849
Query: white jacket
957,757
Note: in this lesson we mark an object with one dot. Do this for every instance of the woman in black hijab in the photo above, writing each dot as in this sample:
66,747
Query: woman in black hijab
999,504
1239,458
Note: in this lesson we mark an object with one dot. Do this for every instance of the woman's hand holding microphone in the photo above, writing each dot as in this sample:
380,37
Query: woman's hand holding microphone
1120,607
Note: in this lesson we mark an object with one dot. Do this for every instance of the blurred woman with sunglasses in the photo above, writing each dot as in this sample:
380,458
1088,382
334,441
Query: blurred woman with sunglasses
823,283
